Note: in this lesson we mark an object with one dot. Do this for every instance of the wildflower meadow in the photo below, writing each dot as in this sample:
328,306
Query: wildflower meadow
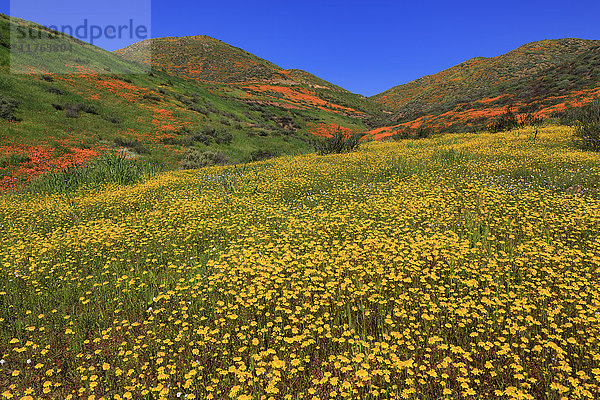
463,266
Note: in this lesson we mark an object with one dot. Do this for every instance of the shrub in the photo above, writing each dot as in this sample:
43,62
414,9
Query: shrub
113,119
223,136
13,159
208,133
587,127
72,110
339,141
8,106
132,144
261,155
422,133
87,108
55,91
509,120
195,158
505,122
202,137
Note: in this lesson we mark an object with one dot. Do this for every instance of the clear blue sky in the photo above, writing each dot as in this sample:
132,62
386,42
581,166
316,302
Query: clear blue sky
370,46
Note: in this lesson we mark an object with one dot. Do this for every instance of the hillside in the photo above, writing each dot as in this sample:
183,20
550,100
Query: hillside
235,72
49,121
543,77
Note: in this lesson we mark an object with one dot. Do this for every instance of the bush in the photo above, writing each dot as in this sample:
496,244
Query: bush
261,155
113,119
509,120
197,159
72,110
14,159
223,137
587,127
506,122
340,141
55,91
132,144
7,108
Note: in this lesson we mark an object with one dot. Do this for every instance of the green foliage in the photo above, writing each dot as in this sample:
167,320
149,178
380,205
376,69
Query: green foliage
587,126
8,106
73,110
339,142
195,158
505,122
262,154
132,144
408,133
108,168
13,159
509,120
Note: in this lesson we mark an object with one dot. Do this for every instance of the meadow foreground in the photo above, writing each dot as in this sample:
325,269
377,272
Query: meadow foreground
463,266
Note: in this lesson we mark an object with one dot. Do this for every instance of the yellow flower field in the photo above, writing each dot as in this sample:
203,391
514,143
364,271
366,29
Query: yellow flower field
463,266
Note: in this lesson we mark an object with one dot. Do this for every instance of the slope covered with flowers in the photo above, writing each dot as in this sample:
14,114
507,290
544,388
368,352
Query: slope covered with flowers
543,77
450,267
235,72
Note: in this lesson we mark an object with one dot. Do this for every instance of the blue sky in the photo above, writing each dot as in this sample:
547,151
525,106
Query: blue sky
363,46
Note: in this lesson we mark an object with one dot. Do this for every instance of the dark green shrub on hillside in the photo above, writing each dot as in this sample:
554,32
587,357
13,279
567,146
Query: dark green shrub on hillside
195,158
261,155
132,144
8,107
587,126
72,110
509,120
505,122
87,108
223,136
208,133
13,160
340,141
408,133
113,119
201,137
56,91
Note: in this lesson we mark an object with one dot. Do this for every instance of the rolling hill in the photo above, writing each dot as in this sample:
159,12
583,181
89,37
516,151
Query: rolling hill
49,122
237,73
542,77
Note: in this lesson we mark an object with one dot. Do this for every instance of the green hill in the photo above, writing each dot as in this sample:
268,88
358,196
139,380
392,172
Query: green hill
52,121
235,72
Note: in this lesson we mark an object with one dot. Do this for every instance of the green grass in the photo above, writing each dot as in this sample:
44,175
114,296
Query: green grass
107,169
